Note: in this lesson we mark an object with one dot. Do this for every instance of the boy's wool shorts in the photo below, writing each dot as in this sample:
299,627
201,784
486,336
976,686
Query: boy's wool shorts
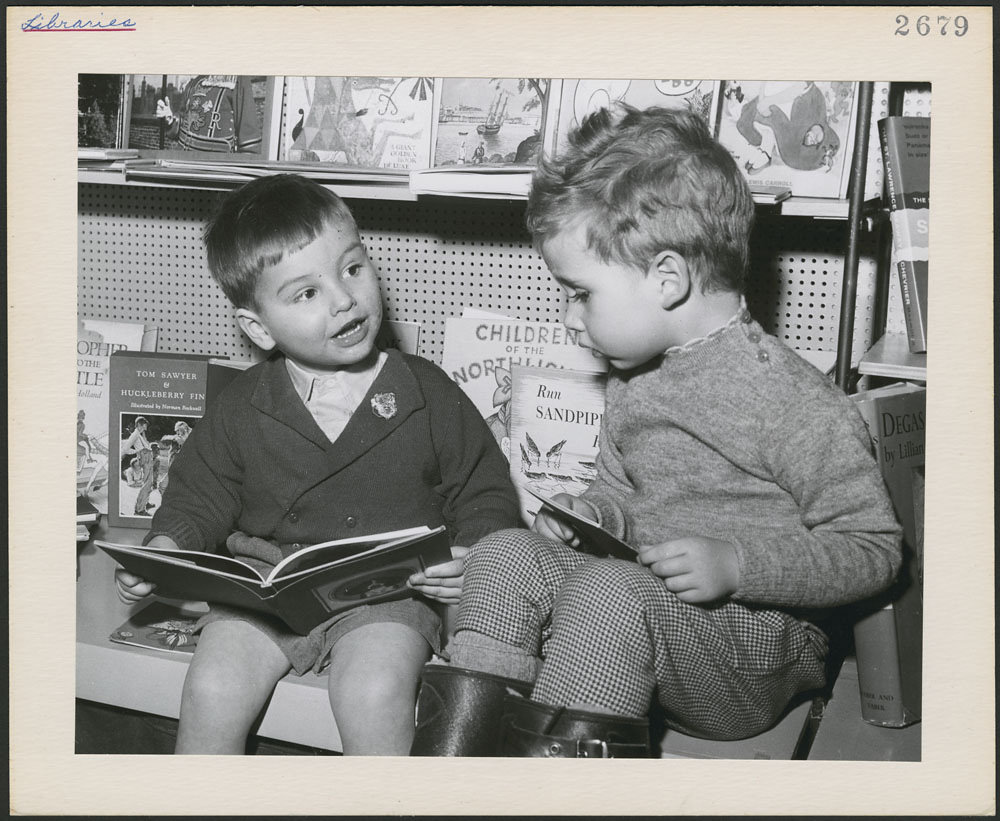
312,652
610,634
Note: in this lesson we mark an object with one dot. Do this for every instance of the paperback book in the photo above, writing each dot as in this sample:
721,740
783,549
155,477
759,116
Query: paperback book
368,122
555,422
96,340
160,626
305,588
155,401
906,154
799,135
889,640
480,350
593,538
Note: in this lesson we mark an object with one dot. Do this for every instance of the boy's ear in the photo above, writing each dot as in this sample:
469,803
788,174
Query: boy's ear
670,274
253,326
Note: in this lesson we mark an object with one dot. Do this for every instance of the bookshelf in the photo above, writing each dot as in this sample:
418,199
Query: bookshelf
890,356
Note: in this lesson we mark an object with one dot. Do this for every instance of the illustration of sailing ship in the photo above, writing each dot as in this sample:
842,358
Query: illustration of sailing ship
495,116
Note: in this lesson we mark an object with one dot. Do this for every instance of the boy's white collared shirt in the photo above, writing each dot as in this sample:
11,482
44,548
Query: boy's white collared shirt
333,399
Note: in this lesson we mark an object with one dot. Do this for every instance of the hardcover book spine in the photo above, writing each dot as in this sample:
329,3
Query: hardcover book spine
879,674
889,643
905,143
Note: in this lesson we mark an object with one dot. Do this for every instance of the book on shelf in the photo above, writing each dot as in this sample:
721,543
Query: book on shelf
889,640
769,194
480,349
906,155
306,587
87,515
155,401
86,511
101,114
594,539
799,135
555,421
366,122
96,340
579,98
489,121
473,180
160,625
404,336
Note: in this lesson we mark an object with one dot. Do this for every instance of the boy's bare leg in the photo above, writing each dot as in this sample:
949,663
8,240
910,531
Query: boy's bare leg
374,673
234,671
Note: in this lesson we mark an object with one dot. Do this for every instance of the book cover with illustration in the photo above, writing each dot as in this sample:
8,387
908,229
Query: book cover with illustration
306,587
479,351
367,122
578,98
555,422
796,134
96,340
889,640
906,154
491,121
202,115
160,626
155,401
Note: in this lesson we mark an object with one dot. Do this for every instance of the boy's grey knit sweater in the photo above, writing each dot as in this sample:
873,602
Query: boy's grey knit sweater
736,437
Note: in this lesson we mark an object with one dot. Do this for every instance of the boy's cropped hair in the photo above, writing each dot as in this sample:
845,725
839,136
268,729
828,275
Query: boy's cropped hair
646,181
260,222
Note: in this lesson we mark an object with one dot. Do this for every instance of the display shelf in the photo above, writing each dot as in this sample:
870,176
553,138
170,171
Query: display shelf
815,207
347,189
891,357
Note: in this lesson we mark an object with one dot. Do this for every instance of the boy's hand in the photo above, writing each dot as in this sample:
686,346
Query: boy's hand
131,588
442,582
548,525
695,568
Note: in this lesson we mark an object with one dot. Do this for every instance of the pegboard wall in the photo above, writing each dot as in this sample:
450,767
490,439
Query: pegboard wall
141,259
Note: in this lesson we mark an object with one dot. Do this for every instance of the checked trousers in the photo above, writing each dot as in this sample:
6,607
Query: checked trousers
610,634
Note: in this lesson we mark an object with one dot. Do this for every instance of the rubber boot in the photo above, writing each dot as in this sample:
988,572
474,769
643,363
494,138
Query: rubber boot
534,730
459,711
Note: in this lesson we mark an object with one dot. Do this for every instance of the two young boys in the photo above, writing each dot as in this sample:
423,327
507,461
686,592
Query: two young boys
741,475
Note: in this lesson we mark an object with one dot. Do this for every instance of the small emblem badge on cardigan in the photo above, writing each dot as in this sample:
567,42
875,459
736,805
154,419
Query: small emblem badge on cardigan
384,405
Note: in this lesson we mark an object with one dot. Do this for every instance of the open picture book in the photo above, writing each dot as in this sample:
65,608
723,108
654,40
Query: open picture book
594,539
306,587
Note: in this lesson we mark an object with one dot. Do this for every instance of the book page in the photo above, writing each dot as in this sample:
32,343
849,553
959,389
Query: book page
340,550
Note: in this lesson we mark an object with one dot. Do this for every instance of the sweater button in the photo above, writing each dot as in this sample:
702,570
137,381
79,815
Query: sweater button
762,356
350,521
293,516
754,337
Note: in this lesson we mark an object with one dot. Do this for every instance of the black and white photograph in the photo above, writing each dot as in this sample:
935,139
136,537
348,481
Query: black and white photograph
735,547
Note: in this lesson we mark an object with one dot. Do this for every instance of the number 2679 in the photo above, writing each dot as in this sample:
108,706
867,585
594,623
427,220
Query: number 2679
925,25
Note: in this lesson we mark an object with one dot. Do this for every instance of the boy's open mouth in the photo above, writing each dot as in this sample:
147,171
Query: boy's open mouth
350,329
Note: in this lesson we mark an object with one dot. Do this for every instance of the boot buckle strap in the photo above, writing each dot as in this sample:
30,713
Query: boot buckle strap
592,748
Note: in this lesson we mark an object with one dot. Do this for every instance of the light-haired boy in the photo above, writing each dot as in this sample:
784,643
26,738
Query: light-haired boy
740,473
